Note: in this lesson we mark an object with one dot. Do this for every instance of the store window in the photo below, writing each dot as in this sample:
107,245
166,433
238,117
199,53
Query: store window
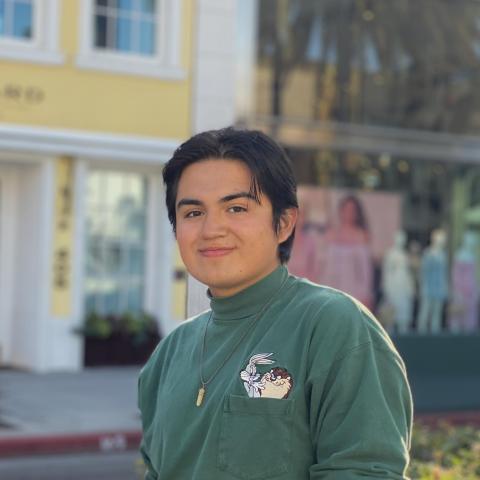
383,139
134,37
401,235
29,30
16,19
409,64
116,241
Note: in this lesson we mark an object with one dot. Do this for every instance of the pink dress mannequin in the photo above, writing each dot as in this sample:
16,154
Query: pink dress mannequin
464,311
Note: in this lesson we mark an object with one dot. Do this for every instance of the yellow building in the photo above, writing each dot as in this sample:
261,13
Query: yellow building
94,97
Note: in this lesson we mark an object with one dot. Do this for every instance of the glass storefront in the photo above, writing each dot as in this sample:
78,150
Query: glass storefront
116,241
377,104
368,225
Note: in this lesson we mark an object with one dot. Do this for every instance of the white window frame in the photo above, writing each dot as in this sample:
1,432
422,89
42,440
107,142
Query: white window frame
43,46
144,276
166,62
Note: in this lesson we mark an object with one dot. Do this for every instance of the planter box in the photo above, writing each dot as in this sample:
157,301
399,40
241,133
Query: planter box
117,350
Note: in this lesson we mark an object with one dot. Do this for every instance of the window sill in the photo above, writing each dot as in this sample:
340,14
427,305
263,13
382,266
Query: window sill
126,65
31,55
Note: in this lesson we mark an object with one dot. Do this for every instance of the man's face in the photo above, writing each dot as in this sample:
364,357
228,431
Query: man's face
226,239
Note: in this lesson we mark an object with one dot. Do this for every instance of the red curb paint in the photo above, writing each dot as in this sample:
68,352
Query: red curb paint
454,418
130,440
52,444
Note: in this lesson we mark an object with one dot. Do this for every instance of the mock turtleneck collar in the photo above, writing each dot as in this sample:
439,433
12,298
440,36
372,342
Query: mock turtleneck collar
248,301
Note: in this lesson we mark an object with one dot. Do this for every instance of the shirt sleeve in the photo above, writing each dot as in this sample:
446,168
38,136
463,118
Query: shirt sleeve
361,416
150,473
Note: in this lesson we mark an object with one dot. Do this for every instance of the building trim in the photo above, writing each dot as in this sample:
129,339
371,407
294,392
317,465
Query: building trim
50,141
111,63
45,261
159,258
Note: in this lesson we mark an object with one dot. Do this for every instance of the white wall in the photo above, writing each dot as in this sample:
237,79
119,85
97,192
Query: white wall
214,67
32,258
7,264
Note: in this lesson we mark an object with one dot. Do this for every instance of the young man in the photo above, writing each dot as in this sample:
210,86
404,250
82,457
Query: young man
281,379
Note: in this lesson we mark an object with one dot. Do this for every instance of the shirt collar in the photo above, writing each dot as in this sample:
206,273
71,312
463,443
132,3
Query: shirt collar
249,301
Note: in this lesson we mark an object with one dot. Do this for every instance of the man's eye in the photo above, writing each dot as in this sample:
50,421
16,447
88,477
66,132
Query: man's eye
193,213
237,209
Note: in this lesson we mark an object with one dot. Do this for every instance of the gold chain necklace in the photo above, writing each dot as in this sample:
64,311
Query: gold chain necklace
203,388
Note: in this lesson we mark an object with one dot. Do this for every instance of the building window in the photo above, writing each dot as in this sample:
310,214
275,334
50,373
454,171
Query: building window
116,240
134,37
16,19
29,31
126,25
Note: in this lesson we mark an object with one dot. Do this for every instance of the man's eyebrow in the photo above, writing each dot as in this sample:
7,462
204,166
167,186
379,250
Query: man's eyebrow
225,199
234,196
189,201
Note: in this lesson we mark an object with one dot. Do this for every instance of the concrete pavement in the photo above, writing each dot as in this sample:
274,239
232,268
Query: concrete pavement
93,410
58,412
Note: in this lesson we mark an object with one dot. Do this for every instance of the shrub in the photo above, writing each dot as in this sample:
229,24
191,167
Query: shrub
445,452
137,326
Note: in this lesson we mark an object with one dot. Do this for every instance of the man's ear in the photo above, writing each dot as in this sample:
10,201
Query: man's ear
288,220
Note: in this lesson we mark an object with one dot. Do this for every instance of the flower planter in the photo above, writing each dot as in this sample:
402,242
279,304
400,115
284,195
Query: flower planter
118,349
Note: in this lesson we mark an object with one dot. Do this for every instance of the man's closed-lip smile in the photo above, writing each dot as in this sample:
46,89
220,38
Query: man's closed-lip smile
215,251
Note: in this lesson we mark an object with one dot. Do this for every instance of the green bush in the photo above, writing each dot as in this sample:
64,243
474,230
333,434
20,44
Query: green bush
138,326
441,453
445,452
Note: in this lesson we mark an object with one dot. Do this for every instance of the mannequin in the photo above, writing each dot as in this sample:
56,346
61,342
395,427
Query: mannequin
397,283
464,309
433,284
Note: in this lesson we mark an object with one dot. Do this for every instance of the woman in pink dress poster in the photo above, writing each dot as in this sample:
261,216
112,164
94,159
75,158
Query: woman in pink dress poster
348,257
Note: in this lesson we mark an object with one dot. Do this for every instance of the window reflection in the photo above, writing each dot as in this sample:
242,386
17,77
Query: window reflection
361,62
116,236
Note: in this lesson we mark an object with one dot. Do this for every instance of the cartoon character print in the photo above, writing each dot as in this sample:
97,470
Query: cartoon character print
275,383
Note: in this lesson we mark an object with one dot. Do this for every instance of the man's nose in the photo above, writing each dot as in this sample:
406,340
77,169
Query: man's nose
213,225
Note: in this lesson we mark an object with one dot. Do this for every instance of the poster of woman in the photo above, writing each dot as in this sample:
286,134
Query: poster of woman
342,236
348,255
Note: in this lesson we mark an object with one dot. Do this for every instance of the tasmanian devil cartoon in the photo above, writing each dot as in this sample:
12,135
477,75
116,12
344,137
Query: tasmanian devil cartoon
276,383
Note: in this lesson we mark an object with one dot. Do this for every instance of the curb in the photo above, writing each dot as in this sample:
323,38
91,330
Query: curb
454,418
71,443
118,441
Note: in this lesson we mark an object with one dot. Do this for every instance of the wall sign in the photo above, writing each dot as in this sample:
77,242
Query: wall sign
63,238
16,97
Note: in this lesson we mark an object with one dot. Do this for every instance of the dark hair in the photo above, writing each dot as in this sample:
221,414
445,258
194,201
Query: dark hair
271,170
360,217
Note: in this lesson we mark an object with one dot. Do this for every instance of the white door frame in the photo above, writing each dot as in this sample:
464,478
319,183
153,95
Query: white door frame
7,245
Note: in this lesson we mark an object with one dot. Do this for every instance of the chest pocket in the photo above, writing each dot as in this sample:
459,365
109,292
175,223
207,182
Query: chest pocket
255,437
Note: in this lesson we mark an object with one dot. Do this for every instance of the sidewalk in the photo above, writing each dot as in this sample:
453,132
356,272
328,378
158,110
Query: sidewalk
92,410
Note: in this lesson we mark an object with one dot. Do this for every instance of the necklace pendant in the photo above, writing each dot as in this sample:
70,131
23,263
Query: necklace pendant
201,394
